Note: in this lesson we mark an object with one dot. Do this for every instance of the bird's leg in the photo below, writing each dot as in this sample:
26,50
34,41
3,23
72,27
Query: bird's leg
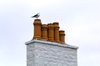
37,17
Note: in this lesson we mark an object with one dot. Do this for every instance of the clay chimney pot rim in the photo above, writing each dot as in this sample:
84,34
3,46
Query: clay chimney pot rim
55,22
37,20
61,31
43,24
50,24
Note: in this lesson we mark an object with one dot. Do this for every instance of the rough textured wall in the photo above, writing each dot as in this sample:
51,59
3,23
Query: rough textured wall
30,55
42,54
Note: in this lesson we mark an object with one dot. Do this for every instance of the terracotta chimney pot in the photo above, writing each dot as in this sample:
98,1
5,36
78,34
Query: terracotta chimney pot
37,28
56,31
50,32
62,35
44,31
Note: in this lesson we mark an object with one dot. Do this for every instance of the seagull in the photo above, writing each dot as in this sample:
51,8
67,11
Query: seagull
36,15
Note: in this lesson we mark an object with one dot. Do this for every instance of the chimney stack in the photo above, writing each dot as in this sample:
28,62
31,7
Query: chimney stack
50,49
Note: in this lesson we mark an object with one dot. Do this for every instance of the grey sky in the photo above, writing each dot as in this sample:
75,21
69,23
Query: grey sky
79,18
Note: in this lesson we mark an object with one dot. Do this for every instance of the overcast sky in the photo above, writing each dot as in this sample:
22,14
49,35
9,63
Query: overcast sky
79,18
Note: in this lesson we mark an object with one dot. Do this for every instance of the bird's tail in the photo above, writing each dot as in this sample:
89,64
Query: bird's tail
32,17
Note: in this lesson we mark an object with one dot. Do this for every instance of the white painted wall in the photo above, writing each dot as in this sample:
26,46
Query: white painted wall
46,53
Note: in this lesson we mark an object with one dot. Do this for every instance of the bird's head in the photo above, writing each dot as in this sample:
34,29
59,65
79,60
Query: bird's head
37,13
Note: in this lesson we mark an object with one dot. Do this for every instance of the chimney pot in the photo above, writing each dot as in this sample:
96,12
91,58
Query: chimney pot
56,31
37,28
62,35
44,31
51,32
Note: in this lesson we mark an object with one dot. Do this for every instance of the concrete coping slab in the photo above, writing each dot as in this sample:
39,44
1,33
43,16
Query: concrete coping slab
51,43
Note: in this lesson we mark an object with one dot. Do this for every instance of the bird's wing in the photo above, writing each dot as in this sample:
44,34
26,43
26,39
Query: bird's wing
35,15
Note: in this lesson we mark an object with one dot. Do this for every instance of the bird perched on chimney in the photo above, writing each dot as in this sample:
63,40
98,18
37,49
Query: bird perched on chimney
36,15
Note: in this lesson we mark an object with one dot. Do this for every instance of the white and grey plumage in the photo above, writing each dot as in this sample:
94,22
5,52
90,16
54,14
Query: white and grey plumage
36,15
